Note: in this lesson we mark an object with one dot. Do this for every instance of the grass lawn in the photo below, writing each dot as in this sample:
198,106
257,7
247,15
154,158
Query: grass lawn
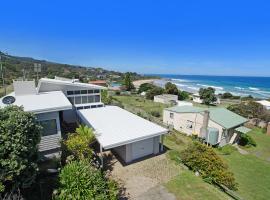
188,186
141,103
251,173
262,150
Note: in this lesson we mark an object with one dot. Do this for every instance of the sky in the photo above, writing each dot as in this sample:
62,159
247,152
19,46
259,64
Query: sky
222,37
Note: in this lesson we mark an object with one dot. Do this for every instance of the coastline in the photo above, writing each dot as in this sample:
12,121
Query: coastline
258,87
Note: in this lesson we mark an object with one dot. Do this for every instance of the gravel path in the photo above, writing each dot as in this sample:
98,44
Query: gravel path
156,193
144,179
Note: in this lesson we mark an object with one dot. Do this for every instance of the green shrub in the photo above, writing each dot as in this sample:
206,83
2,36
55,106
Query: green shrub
19,138
155,113
153,92
171,88
79,180
173,137
2,187
78,144
211,167
246,140
174,155
145,87
183,95
105,97
227,149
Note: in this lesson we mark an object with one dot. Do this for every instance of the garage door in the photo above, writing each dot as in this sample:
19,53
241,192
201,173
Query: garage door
142,148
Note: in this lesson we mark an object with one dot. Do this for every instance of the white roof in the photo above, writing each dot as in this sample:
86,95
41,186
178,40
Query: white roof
115,126
167,96
69,82
41,102
264,103
184,103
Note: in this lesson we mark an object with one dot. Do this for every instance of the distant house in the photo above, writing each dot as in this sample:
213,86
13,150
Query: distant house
265,103
217,126
197,99
99,82
184,103
166,98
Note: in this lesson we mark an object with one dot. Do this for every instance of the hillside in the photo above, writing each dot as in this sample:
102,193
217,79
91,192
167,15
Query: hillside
16,67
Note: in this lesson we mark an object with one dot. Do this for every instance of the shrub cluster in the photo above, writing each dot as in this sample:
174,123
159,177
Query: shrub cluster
211,167
79,180
251,109
153,92
227,149
19,138
78,144
155,113
246,140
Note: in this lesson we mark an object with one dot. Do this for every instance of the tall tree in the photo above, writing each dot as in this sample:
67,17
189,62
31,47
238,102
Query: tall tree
171,88
128,82
207,95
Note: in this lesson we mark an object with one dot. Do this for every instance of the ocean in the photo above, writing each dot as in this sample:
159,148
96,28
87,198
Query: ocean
258,87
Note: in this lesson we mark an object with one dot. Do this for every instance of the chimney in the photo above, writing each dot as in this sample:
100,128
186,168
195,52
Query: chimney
204,127
24,87
268,129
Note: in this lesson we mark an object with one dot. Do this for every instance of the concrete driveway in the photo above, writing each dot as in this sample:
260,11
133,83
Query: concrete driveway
144,179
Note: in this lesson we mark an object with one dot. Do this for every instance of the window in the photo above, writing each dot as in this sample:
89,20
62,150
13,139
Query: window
171,115
90,99
100,106
97,98
189,124
84,99
70,92
76,92
79,108
90,91
94,106
83,91
49,127
96,91
87,107
78,100
71,99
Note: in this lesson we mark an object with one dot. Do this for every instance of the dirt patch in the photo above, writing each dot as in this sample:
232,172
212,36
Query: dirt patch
139,178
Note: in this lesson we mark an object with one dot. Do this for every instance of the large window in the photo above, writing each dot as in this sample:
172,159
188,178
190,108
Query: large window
97,98
84,99
78,100
49,127
83,96
70,92
90,99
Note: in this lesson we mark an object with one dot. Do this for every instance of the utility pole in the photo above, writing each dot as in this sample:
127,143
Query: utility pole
37,69
2,76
